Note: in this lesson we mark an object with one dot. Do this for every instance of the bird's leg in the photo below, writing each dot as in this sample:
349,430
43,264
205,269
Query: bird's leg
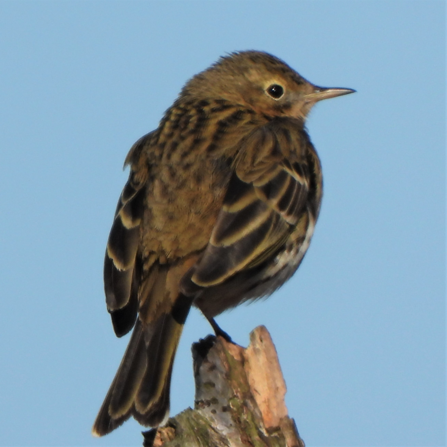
217,330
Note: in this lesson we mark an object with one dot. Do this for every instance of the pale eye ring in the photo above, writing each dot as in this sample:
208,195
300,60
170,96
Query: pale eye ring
276,91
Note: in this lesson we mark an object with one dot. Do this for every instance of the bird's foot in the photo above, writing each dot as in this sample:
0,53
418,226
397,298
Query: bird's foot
218,331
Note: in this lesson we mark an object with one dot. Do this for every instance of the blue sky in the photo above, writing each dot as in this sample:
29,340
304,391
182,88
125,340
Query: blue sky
360,329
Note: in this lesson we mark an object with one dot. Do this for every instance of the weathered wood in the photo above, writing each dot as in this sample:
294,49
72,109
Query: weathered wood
239,399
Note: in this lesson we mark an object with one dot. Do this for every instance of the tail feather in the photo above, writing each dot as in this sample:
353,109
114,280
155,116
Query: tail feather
129,375
115,410
142,383
160,352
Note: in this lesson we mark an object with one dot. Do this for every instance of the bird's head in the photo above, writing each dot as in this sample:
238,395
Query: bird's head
260,81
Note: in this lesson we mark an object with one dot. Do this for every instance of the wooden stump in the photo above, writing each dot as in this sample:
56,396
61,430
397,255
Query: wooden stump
239,399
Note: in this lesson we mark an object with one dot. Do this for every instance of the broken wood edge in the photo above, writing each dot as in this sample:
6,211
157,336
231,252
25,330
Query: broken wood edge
239,399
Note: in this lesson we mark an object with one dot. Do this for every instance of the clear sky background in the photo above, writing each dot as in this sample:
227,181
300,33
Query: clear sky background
360,329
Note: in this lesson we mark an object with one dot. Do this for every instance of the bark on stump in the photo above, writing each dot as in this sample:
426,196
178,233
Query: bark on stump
239,399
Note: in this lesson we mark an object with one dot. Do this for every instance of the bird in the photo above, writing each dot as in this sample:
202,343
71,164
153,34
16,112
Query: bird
219,209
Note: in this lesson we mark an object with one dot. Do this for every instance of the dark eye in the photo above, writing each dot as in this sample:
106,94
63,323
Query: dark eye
275,91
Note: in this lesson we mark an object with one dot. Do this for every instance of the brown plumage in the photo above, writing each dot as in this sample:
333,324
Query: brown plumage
220,207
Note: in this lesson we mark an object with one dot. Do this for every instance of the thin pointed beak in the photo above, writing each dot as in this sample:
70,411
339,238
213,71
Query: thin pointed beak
321,93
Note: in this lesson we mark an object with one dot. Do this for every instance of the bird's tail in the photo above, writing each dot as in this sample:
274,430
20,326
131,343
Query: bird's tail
142,383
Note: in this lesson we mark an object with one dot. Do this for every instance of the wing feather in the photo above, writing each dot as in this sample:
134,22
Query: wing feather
121,251
265,199
122,246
